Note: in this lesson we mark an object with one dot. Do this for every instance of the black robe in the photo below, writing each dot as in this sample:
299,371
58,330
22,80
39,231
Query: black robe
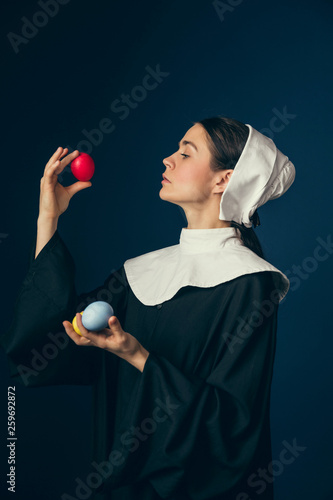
195,423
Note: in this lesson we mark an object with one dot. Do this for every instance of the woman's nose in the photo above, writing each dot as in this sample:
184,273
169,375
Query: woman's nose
167,162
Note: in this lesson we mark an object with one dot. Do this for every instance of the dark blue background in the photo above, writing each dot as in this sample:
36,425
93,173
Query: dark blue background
263,57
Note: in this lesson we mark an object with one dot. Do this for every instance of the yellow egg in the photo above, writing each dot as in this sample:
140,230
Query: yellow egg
74,323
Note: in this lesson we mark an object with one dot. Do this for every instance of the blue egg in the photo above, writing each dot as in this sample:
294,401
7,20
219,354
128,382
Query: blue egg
95,317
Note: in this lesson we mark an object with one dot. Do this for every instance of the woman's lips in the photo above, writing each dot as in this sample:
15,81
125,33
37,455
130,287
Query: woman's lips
165,180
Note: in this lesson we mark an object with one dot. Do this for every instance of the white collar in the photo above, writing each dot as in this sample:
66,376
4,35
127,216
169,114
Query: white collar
203,258
193,241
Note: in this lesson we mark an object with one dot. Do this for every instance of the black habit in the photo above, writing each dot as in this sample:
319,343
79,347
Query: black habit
194,425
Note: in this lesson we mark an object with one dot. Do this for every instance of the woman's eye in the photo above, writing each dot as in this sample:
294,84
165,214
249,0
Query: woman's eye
183,154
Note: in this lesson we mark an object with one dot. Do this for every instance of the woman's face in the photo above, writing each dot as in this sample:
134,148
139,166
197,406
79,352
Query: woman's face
191,179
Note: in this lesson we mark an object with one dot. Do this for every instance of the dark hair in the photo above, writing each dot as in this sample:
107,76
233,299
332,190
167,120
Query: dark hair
226,141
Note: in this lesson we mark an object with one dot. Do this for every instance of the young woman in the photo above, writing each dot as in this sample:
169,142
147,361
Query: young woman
182,376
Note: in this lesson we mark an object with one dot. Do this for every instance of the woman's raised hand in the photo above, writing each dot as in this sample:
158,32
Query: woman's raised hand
54,198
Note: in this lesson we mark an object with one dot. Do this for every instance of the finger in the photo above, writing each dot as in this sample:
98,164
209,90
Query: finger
115,325
115,330
69,158
75,336
65,151
54,157
62,161
51,166
98,338
50,175
77,186
54,169
58,160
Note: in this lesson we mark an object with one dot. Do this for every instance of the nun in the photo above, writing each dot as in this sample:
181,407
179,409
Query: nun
181,378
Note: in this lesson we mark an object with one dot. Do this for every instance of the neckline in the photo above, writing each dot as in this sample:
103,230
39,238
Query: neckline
206,240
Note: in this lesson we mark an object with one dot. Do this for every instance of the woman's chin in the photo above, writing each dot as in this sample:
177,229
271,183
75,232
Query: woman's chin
163,195
170,197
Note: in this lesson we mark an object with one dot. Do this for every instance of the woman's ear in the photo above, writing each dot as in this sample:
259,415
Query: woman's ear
222,179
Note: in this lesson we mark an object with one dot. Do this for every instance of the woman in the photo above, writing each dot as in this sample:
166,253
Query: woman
182,376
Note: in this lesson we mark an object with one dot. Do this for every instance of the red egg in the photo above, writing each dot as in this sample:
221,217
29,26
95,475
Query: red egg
83,167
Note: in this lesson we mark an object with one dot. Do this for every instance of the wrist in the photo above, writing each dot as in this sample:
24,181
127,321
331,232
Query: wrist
46,227
47,219
139,358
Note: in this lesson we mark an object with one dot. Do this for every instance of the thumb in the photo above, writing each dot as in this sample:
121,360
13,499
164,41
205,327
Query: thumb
114,323
78,186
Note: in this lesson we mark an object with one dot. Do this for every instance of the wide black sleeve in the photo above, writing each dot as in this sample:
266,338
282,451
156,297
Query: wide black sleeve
195,436
39,351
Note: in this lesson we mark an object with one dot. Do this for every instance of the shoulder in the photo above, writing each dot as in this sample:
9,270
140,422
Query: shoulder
259,278
258,284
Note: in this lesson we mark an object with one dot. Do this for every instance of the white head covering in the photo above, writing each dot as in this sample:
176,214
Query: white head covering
262,173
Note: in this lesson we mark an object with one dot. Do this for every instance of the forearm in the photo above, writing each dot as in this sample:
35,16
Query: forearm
46,227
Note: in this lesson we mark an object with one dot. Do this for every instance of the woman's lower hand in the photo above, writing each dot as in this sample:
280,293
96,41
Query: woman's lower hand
114,340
